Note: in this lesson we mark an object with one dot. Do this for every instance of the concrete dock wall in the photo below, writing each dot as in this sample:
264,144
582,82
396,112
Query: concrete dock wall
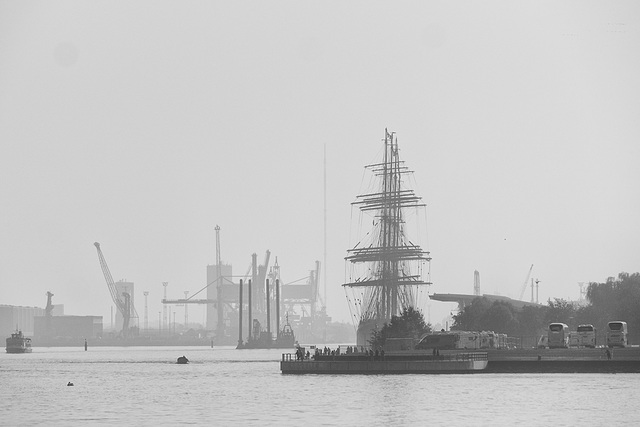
583,360
380,367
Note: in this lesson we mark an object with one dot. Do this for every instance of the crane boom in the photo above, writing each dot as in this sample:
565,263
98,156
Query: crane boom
524,285
122,305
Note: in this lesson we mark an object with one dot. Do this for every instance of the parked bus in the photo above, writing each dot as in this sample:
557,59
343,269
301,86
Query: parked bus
558,335
585,336
617,334
455,340
439,340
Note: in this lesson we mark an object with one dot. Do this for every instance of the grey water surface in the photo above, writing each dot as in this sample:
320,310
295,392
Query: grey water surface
222,386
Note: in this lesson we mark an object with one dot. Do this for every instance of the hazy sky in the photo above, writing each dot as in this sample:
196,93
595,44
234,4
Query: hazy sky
142,125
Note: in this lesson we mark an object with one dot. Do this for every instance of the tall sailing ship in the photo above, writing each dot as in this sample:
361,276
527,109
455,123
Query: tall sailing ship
387,271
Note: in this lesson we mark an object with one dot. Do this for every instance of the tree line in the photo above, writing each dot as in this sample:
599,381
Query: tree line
616,299
410,324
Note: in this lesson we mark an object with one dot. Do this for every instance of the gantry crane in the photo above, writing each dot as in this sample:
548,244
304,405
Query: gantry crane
122,302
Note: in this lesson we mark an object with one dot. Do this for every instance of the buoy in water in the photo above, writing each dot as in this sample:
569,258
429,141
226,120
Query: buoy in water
182,360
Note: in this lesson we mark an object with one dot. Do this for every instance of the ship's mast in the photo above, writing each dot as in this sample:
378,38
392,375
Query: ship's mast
388,285
390,228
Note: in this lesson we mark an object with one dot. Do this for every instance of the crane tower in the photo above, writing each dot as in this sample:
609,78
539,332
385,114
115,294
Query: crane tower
122,300
219,304
524,285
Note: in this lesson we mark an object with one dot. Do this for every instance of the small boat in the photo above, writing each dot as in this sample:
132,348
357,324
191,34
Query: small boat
286,337
264,339
18,343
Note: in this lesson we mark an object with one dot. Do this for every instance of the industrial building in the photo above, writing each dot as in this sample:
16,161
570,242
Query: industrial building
15,317
67,327
49,324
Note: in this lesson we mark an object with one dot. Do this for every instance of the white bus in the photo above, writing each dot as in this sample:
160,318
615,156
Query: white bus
617,334
558,335
585,336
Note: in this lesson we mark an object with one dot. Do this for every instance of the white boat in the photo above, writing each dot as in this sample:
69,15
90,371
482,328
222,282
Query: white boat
18,343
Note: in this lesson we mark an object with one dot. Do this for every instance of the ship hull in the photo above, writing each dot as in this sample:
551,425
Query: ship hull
18,350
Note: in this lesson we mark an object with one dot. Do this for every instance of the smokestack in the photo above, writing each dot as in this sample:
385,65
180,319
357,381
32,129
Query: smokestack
240,317
249,339
277,307
268,311
254,279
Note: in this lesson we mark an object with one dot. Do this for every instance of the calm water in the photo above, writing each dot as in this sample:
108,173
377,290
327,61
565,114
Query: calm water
224,386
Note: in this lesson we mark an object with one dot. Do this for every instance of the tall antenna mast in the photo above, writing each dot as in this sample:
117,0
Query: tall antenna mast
165,310
186,310
582,291
220,325
324,290
146,312
476,283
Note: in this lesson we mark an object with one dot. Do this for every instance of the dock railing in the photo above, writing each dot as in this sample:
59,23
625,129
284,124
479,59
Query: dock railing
476,355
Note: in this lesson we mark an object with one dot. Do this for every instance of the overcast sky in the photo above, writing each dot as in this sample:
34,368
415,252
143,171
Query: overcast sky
142,125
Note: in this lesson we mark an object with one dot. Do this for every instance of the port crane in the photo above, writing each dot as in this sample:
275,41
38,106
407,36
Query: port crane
524,285
49,308
122,302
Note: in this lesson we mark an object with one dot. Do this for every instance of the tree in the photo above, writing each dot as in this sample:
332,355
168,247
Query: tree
470,317
532,321
484,315
617,299
501,317
410,324
562,311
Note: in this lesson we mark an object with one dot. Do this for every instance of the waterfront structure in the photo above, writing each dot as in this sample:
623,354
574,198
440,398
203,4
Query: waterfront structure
530,360
375,364
464,300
